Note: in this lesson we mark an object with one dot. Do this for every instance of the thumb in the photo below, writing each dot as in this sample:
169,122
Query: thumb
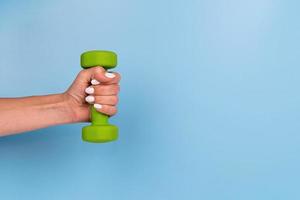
100,74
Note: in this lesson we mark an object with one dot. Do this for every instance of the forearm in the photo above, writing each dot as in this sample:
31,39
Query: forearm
29,113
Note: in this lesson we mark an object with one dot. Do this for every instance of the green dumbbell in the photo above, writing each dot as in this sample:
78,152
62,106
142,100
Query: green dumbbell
100,130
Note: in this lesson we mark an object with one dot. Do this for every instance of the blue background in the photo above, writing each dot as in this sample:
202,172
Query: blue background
209,100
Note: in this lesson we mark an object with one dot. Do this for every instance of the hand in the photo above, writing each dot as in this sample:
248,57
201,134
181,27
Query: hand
93,86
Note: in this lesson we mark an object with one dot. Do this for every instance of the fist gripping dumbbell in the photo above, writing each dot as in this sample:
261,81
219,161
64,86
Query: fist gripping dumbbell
100,130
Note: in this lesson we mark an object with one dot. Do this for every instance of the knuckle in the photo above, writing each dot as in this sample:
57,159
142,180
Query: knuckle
117,79
114,100
118,75
116,89
83,72
112,110
98,69
109,110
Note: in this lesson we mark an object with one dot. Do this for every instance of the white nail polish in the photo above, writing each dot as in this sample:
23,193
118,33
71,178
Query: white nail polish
95,82
90,99
89,90
109,75
97,106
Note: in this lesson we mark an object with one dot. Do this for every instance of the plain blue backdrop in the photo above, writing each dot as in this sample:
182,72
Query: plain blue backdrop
209,108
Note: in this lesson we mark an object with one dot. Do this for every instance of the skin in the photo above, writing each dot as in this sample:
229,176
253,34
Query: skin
18,115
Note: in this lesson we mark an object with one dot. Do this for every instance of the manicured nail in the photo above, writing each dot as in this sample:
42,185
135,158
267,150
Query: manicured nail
95,82
97,106
90,99
109,75
89,90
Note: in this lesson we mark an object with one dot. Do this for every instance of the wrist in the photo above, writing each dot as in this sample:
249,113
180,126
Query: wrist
66,107
75,110
57,106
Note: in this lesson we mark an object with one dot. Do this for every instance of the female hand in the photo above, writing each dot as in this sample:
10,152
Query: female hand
93,86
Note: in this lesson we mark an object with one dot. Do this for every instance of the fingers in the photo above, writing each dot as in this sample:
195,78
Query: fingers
103,100
106,109
103,95
103,90
107,100
99,75
104,104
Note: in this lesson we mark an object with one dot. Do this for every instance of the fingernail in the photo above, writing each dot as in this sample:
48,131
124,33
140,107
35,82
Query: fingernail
90,99
95,82
97,106
89,90
109,75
